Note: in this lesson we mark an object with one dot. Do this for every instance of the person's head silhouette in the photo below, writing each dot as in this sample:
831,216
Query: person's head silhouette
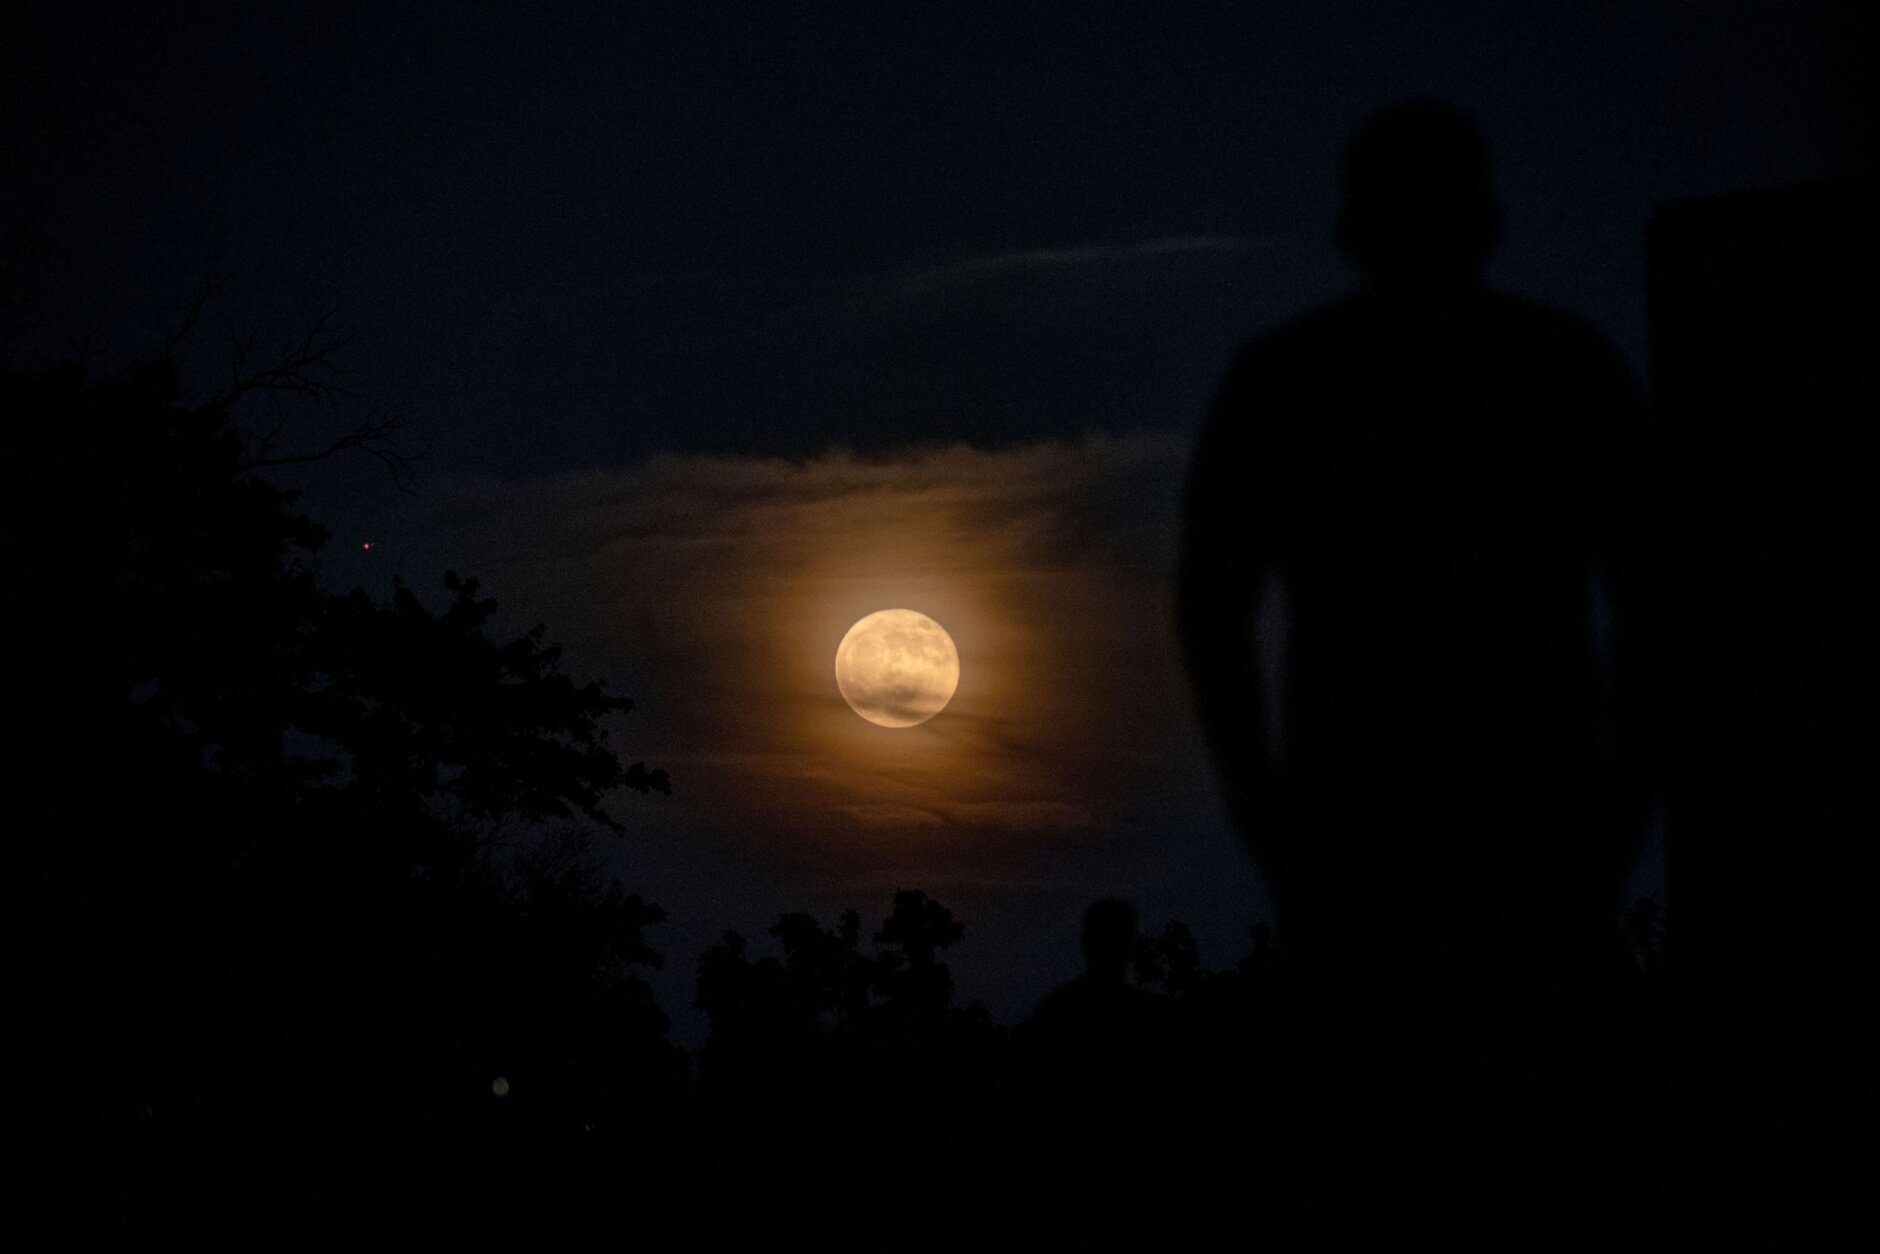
1109,939
1419,212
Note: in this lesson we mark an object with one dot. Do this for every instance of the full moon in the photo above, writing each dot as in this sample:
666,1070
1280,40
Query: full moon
897,668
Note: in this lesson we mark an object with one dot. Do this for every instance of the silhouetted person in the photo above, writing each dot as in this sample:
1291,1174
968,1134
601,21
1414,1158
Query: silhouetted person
1408,583
1092,1054
1410,604
1102,996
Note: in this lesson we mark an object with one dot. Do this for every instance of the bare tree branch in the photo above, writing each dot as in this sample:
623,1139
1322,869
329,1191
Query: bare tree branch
375,436
211,288
307,368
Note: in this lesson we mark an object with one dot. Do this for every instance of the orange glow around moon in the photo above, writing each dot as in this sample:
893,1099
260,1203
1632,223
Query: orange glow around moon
897,668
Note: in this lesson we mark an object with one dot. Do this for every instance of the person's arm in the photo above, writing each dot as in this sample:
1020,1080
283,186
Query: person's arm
1625,550
1225,564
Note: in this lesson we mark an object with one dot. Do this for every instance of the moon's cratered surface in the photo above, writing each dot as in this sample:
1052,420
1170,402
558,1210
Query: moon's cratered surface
897,668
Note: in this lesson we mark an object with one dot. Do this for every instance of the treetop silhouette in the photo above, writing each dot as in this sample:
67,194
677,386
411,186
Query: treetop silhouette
289,863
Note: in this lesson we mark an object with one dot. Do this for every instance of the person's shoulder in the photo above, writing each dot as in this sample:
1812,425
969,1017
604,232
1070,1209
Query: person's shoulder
1084,996
1071,995
1516,315
1294,352
1554,343
1330,324
1055,1014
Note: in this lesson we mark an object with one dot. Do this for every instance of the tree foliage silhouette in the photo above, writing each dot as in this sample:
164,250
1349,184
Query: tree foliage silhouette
833,1049
296,873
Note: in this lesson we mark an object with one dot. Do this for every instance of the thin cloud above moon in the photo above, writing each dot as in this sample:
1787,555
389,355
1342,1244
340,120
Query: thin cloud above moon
1045,260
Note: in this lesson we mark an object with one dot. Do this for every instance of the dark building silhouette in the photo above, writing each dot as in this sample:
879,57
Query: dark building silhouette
1763,333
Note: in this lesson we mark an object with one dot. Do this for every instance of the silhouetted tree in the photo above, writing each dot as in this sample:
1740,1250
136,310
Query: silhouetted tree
854,1065
285,910
832,976
912,980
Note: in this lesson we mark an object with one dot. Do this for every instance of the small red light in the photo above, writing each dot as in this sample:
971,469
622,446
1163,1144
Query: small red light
366,545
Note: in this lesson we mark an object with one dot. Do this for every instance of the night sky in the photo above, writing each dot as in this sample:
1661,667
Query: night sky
719,326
